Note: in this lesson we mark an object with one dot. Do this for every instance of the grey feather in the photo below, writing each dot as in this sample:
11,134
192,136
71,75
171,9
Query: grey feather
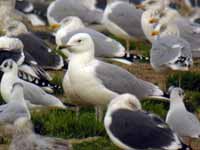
121,81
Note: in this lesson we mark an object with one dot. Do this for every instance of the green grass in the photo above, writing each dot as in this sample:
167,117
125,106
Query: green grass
143,47
64,124
101,144
189,80
157,107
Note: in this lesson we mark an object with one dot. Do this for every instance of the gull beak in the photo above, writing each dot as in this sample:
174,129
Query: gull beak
155,33
63,47
153,20
1,68
55,26
140,6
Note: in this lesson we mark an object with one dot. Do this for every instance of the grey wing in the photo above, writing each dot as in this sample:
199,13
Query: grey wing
132,25
162,51
184,123
187,32
121,81
104,46
63,8
12,111
38,96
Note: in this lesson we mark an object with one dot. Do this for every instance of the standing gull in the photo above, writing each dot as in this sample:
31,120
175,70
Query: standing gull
123,20
184,123
171,23
129,127
16,107
171,52
99,81
34,95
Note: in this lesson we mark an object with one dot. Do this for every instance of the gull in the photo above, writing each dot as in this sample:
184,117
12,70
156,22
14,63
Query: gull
184,123
123,20
16,107
34,46
171,23
13,48
171,52
33,94
129,127
60,9
151,15
90,81
104,46
29,70
35,11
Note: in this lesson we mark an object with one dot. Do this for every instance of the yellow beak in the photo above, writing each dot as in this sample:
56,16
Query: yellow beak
153,20
155,33
55,26
140,6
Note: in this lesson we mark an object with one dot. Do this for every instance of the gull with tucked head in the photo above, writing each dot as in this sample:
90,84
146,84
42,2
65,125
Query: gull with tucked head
105,46
171,52
129,127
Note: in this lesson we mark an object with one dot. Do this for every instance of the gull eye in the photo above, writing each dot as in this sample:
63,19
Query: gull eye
151,2
79,41
6,64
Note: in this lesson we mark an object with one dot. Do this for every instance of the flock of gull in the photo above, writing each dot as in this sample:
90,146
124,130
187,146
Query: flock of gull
78,35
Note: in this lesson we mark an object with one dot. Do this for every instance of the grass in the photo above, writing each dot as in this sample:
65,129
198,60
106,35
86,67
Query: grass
102,143
65,124
189,80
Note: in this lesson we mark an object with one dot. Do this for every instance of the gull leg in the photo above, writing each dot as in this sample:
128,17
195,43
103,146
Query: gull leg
99,113
128,48
179,80
77,109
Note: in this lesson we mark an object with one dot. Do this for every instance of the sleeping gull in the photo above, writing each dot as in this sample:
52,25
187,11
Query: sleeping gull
60,9
99,81
129,127
123,20
104,46
13,48
184,123
34,95
16,107
25,138
35,46
171,52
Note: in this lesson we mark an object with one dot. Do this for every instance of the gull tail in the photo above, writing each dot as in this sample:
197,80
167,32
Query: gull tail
131,58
